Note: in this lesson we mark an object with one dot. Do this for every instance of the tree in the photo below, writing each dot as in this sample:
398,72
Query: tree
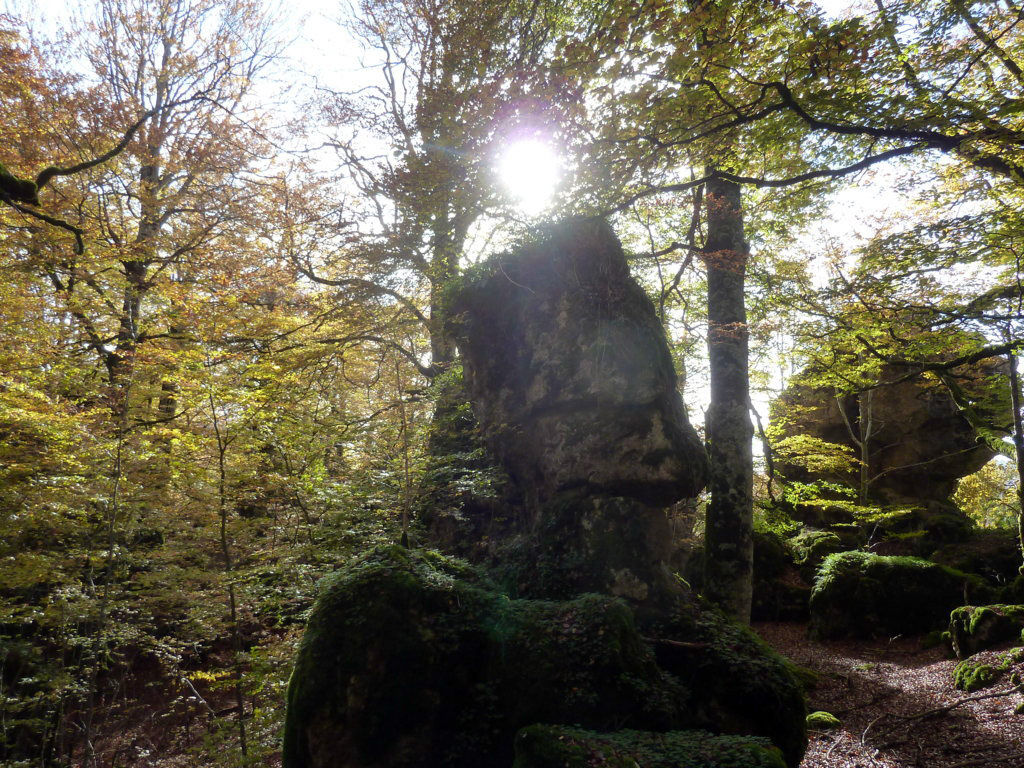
670,63
728,537
454,83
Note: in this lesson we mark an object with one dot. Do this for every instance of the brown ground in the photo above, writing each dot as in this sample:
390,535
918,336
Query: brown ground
893,699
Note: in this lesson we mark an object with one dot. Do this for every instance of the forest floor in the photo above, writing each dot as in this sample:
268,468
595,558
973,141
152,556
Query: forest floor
898,706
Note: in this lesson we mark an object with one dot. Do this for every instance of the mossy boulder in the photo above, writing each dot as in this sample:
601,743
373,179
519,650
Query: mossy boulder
822,721
977,628
547,746
973,675
413,659
780,594
987,668
859,594
741,685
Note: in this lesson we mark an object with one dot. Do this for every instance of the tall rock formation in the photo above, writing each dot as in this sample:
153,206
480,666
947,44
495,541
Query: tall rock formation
570,374
415,660
572,382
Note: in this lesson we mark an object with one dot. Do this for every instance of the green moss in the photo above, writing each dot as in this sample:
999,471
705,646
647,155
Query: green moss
822,721
374,687
745,686
974,674
858,594
810,547
807,677
545,746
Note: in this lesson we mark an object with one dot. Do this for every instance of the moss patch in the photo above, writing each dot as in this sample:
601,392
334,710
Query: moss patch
545,746
858,594
810,547
822,721
744,686
985,669
972,675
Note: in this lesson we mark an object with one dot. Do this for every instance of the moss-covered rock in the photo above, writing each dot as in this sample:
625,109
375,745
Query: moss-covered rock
976,628
781,587
971,675
742,686
858,594
822,721
987,668
546,746
413,659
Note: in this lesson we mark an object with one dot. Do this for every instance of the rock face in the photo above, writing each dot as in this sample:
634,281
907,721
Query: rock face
978,628
570,374
920,443
572,383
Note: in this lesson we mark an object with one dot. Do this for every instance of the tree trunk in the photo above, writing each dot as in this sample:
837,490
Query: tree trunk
729,547
1018,444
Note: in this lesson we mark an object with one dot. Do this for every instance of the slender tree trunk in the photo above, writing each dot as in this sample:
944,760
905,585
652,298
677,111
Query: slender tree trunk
1018,444
729,544
449,239
229,568
865,418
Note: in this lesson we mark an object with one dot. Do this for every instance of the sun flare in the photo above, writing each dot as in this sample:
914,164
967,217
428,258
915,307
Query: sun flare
529,170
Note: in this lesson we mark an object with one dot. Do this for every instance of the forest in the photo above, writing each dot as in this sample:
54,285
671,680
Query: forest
532,383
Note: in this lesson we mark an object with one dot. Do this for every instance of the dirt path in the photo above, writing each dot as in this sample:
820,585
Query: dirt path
881,692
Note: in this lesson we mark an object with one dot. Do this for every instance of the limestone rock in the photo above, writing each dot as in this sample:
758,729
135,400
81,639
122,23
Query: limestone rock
570,374
921,444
